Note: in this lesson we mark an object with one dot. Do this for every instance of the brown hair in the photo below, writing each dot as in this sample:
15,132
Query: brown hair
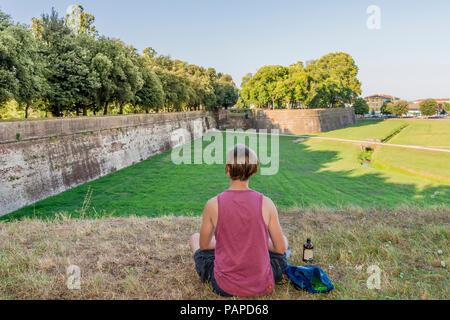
242,163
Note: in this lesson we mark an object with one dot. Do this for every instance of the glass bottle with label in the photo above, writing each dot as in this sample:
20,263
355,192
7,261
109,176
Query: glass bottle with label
308,251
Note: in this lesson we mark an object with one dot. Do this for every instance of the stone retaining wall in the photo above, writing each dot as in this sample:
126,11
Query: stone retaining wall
294,121
42,158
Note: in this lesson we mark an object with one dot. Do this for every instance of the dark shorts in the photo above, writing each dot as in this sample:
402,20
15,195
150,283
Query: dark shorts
204,265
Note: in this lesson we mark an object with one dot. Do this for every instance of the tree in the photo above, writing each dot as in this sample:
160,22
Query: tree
21,65
447,107
120,76
333,81
267,88
400,108
71,81
297,84
151,95
386,108
225,91
8,56
429,107
330,81
361,107
5,21
81,22
128,77
28,66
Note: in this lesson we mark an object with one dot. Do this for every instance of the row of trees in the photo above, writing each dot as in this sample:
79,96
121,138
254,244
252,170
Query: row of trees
330,81
428,107
62,66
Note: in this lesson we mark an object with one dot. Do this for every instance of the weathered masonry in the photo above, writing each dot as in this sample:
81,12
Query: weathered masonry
295,121
42,158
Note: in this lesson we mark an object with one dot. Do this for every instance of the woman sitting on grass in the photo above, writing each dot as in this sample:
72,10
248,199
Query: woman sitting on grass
247,254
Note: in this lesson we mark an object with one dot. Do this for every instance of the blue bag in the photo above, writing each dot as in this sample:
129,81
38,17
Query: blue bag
309,278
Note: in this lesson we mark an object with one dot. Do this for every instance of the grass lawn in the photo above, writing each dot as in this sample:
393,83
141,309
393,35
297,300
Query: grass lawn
435,133
140,258
314,173
431,165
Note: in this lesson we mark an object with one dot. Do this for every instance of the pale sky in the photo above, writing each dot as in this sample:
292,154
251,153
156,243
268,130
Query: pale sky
408,57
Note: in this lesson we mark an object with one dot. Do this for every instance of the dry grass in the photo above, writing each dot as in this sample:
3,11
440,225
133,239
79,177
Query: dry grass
140,258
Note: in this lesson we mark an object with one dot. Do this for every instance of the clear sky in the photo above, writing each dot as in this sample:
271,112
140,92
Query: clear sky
408,57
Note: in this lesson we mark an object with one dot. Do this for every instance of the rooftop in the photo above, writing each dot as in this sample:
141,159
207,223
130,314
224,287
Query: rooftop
383,96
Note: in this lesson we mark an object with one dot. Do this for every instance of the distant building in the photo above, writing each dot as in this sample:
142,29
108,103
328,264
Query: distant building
376,101
414,107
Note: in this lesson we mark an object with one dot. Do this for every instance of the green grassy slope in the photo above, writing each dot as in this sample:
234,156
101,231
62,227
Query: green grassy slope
370,130
425,133
312,173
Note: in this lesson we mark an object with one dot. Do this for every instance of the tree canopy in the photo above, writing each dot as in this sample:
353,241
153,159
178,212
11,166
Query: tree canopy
330,81
399,108
429,107
361,107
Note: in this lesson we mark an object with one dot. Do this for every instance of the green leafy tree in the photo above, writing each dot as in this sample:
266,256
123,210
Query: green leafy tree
63,67
226,92
297,84
71,80
386,108
151,95
21,65
333,81
81,22
330,81
429,107
267,88
28,65
5,21
119,72
447,107
399,108
128,77
361,107
8,61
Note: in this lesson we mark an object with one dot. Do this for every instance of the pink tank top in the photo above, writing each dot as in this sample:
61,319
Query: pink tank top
242,264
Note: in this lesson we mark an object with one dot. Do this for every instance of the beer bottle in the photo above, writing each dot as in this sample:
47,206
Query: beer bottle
308,251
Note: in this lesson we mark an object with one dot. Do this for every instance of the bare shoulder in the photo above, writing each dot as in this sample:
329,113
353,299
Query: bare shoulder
269,210
212,205
268,204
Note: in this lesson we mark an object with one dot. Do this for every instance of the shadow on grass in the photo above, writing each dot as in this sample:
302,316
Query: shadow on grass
308,177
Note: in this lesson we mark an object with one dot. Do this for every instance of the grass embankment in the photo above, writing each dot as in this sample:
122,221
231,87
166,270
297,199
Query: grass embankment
369,130
140,258
431,165
431,133
314,173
